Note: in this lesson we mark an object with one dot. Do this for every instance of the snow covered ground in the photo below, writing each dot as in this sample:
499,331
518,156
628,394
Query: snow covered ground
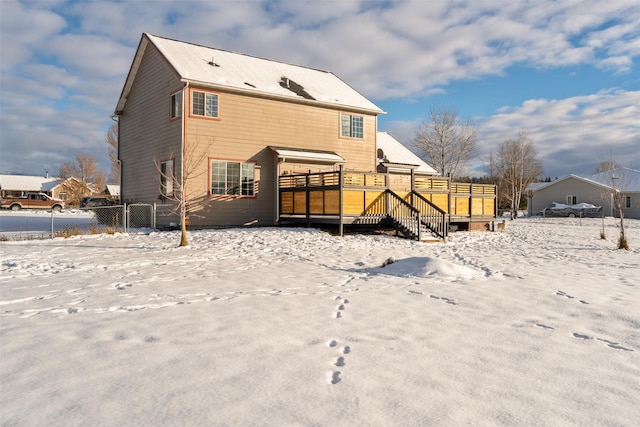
37,224
539,325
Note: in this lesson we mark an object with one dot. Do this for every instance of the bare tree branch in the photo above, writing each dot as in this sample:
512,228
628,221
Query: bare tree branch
516,165
447,143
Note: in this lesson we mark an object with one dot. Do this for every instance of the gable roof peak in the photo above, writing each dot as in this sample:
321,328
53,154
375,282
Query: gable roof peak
223,69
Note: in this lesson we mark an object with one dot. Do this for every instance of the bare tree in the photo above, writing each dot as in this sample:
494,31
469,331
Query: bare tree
173,184
517,165
606,166
89,178
618,181
446,142
112,141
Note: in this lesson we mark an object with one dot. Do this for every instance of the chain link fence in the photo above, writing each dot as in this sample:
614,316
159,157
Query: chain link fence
45,224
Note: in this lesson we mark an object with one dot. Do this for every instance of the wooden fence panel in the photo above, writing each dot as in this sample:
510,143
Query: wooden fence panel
300,202
286,202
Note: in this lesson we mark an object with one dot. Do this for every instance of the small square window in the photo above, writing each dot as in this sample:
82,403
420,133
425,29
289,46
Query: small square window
352,126
204,104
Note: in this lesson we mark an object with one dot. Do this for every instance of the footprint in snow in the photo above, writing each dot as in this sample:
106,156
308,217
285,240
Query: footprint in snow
543,326
613,344
335,377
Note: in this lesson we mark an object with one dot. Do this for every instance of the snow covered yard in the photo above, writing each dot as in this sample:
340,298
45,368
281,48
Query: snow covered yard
539,325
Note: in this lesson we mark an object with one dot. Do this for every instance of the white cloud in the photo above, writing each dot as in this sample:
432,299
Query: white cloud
58,56
571,134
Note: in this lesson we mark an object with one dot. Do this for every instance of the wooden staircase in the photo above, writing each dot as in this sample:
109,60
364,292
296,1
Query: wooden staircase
424,222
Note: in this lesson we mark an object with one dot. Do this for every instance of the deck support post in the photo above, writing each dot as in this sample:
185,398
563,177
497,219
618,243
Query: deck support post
341,200
306,198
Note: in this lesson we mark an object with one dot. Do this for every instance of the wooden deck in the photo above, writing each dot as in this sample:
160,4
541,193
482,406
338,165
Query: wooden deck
425,209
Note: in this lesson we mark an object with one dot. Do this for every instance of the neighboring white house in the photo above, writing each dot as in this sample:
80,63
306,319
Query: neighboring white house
596,189
17,185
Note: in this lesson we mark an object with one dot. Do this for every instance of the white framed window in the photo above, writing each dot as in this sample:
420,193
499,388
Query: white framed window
232,178
166,178
351,126
204,104
627,202
176,105
572,200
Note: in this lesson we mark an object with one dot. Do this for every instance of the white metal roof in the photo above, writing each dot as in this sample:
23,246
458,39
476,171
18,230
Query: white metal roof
626,178
307,155
113,189
394,152
27,183
210,66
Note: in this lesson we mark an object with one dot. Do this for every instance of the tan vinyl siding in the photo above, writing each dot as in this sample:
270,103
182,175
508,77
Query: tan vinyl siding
558,191
147,134
245,128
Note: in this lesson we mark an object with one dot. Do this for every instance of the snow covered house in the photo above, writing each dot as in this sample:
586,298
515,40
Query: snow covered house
257,141
19,185
596,189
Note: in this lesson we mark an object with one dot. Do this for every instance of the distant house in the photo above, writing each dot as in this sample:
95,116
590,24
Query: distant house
250,135
595,189
112,190
69,190
19,185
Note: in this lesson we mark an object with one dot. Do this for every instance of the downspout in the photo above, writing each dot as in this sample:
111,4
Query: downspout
276,172
183,143
116,118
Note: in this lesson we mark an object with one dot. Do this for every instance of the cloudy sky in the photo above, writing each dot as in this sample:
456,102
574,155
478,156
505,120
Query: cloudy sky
567,72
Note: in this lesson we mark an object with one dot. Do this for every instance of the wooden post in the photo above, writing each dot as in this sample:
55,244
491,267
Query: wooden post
340,200
306,197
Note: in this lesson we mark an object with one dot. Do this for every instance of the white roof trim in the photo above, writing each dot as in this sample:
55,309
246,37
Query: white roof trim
291,154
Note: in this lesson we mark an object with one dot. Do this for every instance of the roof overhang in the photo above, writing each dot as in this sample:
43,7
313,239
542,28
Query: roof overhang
284,98
286,154
399,166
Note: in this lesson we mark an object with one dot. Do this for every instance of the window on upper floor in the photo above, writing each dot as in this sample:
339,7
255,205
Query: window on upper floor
176,105
351,126
167,178
204,104
232,178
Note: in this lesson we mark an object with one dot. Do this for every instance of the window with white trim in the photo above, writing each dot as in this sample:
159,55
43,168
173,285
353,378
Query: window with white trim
204,104
176,105
627,202
351,126
166,178
232,178
572,200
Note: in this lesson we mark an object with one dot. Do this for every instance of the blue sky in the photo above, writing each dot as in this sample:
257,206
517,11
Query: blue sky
567,72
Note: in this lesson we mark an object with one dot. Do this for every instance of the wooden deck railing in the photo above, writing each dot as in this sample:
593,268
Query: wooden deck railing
365,198
431,215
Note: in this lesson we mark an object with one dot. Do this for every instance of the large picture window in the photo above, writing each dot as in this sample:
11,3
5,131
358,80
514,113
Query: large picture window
352,126
166,178
204,104
232,178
